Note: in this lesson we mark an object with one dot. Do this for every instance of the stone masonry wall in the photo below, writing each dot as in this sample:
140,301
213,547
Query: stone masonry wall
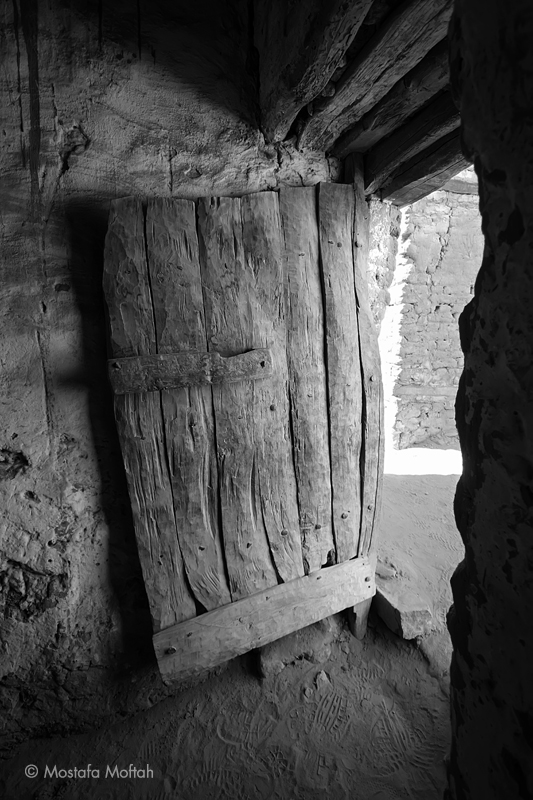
443,242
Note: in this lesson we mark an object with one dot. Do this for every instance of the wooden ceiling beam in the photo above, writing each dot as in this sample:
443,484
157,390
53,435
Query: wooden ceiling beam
298,53
423,129
401,42
429,77
427,171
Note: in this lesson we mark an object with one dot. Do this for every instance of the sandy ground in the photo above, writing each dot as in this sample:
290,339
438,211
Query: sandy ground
418,537
343,719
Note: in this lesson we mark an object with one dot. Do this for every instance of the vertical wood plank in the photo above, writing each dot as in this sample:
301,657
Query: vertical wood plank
262,244
174,270
336,214
358,618
307,375
373,402
249,562
139,420
244,305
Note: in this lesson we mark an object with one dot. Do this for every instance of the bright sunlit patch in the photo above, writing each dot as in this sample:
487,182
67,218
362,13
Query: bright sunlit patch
423,461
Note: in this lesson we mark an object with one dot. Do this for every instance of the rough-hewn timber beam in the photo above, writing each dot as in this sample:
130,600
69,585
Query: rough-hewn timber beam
403,100
299,51
209,639
404,39
427,171
434,121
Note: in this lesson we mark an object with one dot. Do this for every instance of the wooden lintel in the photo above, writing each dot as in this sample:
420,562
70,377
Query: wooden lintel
299,50
203,642
409,94
153,373
426,172
405,38
435,120
461,187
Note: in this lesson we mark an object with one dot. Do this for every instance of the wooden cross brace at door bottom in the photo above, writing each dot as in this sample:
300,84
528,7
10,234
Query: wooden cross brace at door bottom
185,649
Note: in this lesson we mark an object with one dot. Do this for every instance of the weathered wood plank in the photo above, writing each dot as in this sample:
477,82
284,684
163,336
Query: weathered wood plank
427,171
178,370
403,40
358,618
423,82
372,457
300,47
174,271
262,245
245,308
139,419
307,375
125,282
460,187
210,639
336,210
437,119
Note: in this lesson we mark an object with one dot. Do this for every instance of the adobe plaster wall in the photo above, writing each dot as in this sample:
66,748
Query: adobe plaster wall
442,244
98,101
491,622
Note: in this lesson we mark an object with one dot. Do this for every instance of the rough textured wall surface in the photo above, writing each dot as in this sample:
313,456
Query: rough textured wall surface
492,623
384,230
99,100
443,244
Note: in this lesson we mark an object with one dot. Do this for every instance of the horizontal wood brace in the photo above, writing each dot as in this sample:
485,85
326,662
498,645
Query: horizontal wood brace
152,373
189,647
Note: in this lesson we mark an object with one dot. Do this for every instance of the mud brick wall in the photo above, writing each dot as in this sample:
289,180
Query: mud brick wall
443,242
490,623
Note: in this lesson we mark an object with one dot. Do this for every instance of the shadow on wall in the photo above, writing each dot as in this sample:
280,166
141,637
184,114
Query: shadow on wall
206,44
86,228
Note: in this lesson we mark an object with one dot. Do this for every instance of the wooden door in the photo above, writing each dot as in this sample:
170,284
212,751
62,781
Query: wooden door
248,405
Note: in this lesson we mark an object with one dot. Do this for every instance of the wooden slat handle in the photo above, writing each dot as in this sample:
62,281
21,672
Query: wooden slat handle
153,373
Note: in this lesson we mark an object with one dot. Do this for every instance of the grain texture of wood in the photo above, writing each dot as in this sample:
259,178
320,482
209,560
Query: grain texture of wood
245,298
358,618
300,47
406,97
460,187
210,639
372,456
139,419
307,375
179,370
174,272
403,40
435,120
336,222
125,282
427,171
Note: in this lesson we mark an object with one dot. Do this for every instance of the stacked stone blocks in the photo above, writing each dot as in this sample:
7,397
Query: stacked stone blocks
444,243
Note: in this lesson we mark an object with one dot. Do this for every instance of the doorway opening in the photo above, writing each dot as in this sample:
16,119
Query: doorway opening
436,247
